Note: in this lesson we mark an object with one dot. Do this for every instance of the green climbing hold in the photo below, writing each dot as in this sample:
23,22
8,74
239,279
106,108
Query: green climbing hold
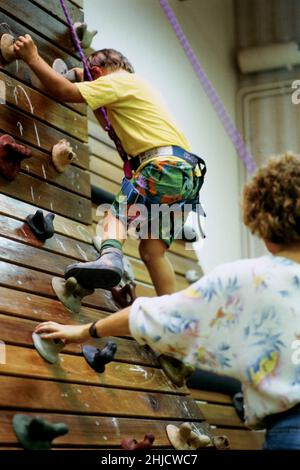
35,433
84,35
175,370
48,349
70,293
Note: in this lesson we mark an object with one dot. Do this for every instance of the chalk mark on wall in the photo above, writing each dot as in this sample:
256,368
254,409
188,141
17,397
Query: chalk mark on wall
60,243
32,193
83,254
20,127
83,232
44,171
2,92
65,229
32,112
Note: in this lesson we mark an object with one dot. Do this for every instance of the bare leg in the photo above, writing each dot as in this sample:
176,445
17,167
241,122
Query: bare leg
113,228
153,253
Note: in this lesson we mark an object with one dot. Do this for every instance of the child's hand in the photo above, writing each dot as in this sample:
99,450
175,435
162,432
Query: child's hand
25,48
78,74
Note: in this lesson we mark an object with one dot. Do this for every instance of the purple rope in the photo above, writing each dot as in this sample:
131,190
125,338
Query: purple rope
108,126
229,126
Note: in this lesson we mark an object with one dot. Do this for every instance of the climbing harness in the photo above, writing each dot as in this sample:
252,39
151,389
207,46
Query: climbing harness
229,126
199,168
108,127
170,150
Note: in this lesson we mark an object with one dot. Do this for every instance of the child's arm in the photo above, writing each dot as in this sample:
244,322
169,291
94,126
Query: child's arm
58,85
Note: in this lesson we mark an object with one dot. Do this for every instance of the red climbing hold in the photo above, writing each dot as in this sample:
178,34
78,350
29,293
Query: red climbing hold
132,444
11,155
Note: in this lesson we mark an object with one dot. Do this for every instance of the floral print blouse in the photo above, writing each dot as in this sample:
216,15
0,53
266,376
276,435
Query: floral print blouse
241,320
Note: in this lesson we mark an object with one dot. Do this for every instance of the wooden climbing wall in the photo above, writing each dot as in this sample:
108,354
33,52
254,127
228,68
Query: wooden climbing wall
133,396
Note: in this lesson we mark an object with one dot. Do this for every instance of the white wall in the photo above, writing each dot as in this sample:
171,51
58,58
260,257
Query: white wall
140,30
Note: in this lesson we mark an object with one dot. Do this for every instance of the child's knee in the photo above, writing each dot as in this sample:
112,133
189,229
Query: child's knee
149,250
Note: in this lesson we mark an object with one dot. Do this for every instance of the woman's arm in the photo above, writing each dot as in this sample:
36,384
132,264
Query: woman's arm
113,325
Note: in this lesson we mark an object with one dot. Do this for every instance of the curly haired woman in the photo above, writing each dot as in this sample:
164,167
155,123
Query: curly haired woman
242,319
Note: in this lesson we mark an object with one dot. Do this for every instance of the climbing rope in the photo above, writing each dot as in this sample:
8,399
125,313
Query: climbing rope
108,127
228,124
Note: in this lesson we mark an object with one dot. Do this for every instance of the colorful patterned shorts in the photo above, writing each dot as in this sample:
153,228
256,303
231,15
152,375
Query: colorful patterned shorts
166,184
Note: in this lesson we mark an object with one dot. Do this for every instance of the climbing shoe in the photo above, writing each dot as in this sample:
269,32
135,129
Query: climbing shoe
103,273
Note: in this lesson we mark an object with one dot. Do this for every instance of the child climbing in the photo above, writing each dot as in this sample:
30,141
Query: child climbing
240,320
165,172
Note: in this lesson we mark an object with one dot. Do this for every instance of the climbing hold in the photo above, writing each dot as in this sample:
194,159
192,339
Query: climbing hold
191,276
62,155
128,274
189,234
35,433
97,358
125,295
238,403
42,226
132,444
61,67
84,35
175,370
48,349
70,293
221,442
11,155
184,438
7,48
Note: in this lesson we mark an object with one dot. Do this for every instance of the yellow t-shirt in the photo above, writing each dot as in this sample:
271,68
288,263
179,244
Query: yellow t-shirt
135,110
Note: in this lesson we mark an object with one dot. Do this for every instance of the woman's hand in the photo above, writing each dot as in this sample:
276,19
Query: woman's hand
67,333
26,49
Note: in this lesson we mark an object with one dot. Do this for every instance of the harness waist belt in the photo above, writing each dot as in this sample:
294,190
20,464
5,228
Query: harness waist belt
168,151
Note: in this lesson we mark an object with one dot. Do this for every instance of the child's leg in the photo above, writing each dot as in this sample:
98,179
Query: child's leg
113,229
153,253
106,271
